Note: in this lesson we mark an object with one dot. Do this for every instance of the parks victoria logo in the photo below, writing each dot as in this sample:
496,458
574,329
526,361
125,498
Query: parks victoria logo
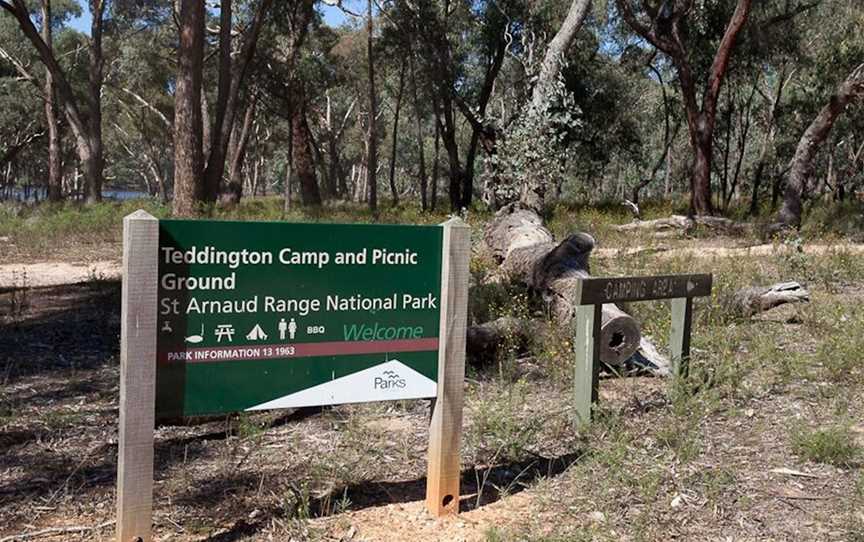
389,380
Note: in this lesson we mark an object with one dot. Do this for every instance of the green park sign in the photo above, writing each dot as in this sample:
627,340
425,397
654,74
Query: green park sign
262,315
222,317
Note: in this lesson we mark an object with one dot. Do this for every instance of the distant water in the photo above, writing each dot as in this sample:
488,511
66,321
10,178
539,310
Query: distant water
39,194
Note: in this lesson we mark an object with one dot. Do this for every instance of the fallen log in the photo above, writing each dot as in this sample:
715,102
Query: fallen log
485,342
528,254
750,301
686,224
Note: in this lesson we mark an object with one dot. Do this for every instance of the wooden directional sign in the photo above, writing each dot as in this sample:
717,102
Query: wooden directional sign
619,289
595,292
222,317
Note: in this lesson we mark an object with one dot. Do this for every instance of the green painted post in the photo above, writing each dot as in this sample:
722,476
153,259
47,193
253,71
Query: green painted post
679,337
586,371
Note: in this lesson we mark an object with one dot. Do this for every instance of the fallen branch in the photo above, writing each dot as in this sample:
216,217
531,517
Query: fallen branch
486,341
679,222
51,531
749,301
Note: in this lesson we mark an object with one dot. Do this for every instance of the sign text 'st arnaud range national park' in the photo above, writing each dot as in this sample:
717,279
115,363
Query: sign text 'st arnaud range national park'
256,316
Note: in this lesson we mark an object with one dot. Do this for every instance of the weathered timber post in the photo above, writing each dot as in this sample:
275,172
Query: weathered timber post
137,378
679,335
445,431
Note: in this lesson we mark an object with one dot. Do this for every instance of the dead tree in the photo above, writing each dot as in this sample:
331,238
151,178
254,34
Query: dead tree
683,224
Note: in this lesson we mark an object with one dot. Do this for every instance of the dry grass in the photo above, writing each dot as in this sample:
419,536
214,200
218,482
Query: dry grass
697,459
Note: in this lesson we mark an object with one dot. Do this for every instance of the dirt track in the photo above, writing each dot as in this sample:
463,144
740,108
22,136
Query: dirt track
61,273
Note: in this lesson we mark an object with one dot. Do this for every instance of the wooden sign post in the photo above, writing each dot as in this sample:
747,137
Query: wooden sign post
593,293
221,317
445,431
137,377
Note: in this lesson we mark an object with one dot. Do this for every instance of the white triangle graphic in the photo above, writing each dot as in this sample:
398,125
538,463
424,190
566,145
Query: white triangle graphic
388,381
257,334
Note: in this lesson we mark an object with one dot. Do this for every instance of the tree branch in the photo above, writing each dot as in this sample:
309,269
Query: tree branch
13,151
64,89
669,47
789,15
724,52
21,69
167,123
557,49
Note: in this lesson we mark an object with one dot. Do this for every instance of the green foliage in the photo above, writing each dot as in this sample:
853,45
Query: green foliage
500,431
833,444
840,356
531,154
840,219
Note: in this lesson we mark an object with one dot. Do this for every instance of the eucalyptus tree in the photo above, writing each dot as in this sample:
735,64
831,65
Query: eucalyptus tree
701,39
139,106
85,123
831,87
667,26
460,47
200,146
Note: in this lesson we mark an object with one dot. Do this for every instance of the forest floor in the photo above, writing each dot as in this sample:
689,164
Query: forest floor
764,441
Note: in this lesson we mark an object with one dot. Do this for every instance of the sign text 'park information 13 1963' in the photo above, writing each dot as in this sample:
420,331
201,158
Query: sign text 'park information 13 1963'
256,316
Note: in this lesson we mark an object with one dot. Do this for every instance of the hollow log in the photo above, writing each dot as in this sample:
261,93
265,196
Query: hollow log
750,301
528,254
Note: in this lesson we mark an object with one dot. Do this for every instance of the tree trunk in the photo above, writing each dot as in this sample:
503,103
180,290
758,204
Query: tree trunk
802,163
337,176
55,165
188,124
234,183
556,52
683,224
302,162
727,147
96,162
741,147
480,131
700,184
223,89
88,134
335,180
484,342
393,191
664,33
668,138
286,207
448,137
435,165
750,301
424,181
232,75
372,133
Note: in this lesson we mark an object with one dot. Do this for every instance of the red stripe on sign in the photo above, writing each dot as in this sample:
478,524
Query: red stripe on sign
305,350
